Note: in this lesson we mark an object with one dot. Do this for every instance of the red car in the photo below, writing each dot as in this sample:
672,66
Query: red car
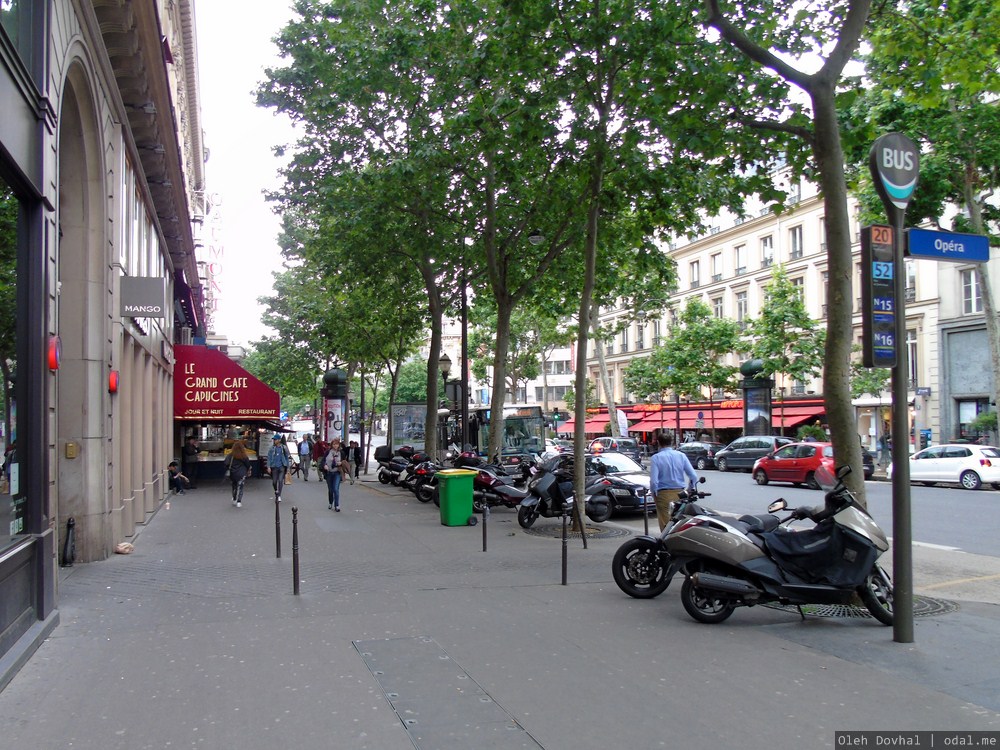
795,463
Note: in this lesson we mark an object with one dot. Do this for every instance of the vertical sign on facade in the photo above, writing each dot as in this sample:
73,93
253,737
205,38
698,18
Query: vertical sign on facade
878,297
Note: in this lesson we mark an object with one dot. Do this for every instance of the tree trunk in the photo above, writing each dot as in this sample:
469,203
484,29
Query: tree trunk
433,355
829,157
504,310
609,393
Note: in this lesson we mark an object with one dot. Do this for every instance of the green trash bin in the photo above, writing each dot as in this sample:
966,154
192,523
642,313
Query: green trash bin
455,492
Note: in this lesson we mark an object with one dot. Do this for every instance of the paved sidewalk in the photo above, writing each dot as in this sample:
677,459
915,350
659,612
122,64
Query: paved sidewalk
406,634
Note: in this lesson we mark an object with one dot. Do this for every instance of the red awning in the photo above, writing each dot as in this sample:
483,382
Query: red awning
593,426
790,416
210,387
724,419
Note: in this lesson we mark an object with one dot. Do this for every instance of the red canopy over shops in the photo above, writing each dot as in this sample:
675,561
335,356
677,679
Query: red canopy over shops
210,387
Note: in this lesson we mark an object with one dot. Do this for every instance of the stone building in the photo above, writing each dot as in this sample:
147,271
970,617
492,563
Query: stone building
102,170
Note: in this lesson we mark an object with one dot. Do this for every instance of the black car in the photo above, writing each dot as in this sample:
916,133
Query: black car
626,481
741,454
701,454
868,462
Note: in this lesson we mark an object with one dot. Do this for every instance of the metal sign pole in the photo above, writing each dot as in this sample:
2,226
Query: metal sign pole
894,163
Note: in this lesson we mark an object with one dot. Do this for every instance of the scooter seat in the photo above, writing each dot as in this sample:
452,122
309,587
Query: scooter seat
760,524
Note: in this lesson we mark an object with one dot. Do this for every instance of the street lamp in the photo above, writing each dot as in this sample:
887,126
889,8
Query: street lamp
444,365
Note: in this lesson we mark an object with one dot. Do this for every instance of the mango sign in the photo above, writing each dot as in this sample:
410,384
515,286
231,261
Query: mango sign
208,386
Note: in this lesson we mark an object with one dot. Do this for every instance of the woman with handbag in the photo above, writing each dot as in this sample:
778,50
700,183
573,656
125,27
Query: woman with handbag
238,465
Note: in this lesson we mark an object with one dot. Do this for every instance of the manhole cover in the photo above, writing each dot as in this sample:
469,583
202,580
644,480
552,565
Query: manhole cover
923,606
554,531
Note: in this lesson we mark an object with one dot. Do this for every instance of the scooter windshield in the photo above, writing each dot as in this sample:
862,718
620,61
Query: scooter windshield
825,478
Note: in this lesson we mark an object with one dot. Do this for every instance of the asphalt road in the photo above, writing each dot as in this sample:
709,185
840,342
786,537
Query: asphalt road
942,516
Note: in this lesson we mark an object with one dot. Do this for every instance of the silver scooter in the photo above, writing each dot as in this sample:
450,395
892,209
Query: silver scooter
751,560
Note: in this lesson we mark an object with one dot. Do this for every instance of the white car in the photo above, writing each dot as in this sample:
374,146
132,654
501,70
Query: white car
965,464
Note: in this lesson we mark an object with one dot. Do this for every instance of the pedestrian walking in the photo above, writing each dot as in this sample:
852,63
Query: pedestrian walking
346,462
320,449
669,472
305,456
189,461
278,463
334,476
176,478
238,466
354,457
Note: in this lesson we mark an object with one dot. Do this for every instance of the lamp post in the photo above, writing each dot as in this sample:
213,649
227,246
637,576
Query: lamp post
444,365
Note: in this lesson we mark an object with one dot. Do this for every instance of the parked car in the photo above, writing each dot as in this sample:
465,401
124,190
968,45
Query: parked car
743,451
868,463
625,477
967,465
701,454
553,447
628,446
796,463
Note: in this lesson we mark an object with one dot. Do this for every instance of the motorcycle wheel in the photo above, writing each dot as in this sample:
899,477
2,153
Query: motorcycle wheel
876,593
706,606
526,516
638,569
600,515
425,492
383,477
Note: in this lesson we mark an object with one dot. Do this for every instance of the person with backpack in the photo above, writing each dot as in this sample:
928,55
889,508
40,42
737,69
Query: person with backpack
278,462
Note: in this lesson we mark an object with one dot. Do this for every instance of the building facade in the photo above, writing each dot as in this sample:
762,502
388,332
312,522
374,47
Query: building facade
102,163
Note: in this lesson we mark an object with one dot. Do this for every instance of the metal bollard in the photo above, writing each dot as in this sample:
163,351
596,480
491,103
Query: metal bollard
486,517
295,549
69,544
565,550
645,514
277,528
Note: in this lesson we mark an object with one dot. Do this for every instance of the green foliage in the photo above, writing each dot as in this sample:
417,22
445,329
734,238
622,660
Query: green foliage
784,337
591,398
985,421
287,368
691,358
814,431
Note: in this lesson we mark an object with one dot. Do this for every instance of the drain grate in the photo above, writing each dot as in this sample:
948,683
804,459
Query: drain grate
923,606
554,531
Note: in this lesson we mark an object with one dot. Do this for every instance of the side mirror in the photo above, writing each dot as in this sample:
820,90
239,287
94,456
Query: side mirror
843,471
777,505
701,480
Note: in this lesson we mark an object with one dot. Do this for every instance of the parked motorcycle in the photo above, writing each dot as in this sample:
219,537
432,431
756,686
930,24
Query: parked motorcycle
408,477
425,480
391,465
551,496
492,488
758,559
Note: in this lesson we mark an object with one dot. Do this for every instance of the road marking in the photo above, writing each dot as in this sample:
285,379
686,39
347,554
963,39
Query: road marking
928,545
958,581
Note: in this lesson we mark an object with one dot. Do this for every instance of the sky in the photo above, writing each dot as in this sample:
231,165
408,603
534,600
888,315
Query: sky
234,48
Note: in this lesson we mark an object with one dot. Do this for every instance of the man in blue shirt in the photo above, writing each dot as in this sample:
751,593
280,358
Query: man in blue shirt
669,473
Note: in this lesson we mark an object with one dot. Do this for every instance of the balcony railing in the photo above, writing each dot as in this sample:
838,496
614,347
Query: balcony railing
741,270
766,262
795,254
695,283
910,294
716,277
